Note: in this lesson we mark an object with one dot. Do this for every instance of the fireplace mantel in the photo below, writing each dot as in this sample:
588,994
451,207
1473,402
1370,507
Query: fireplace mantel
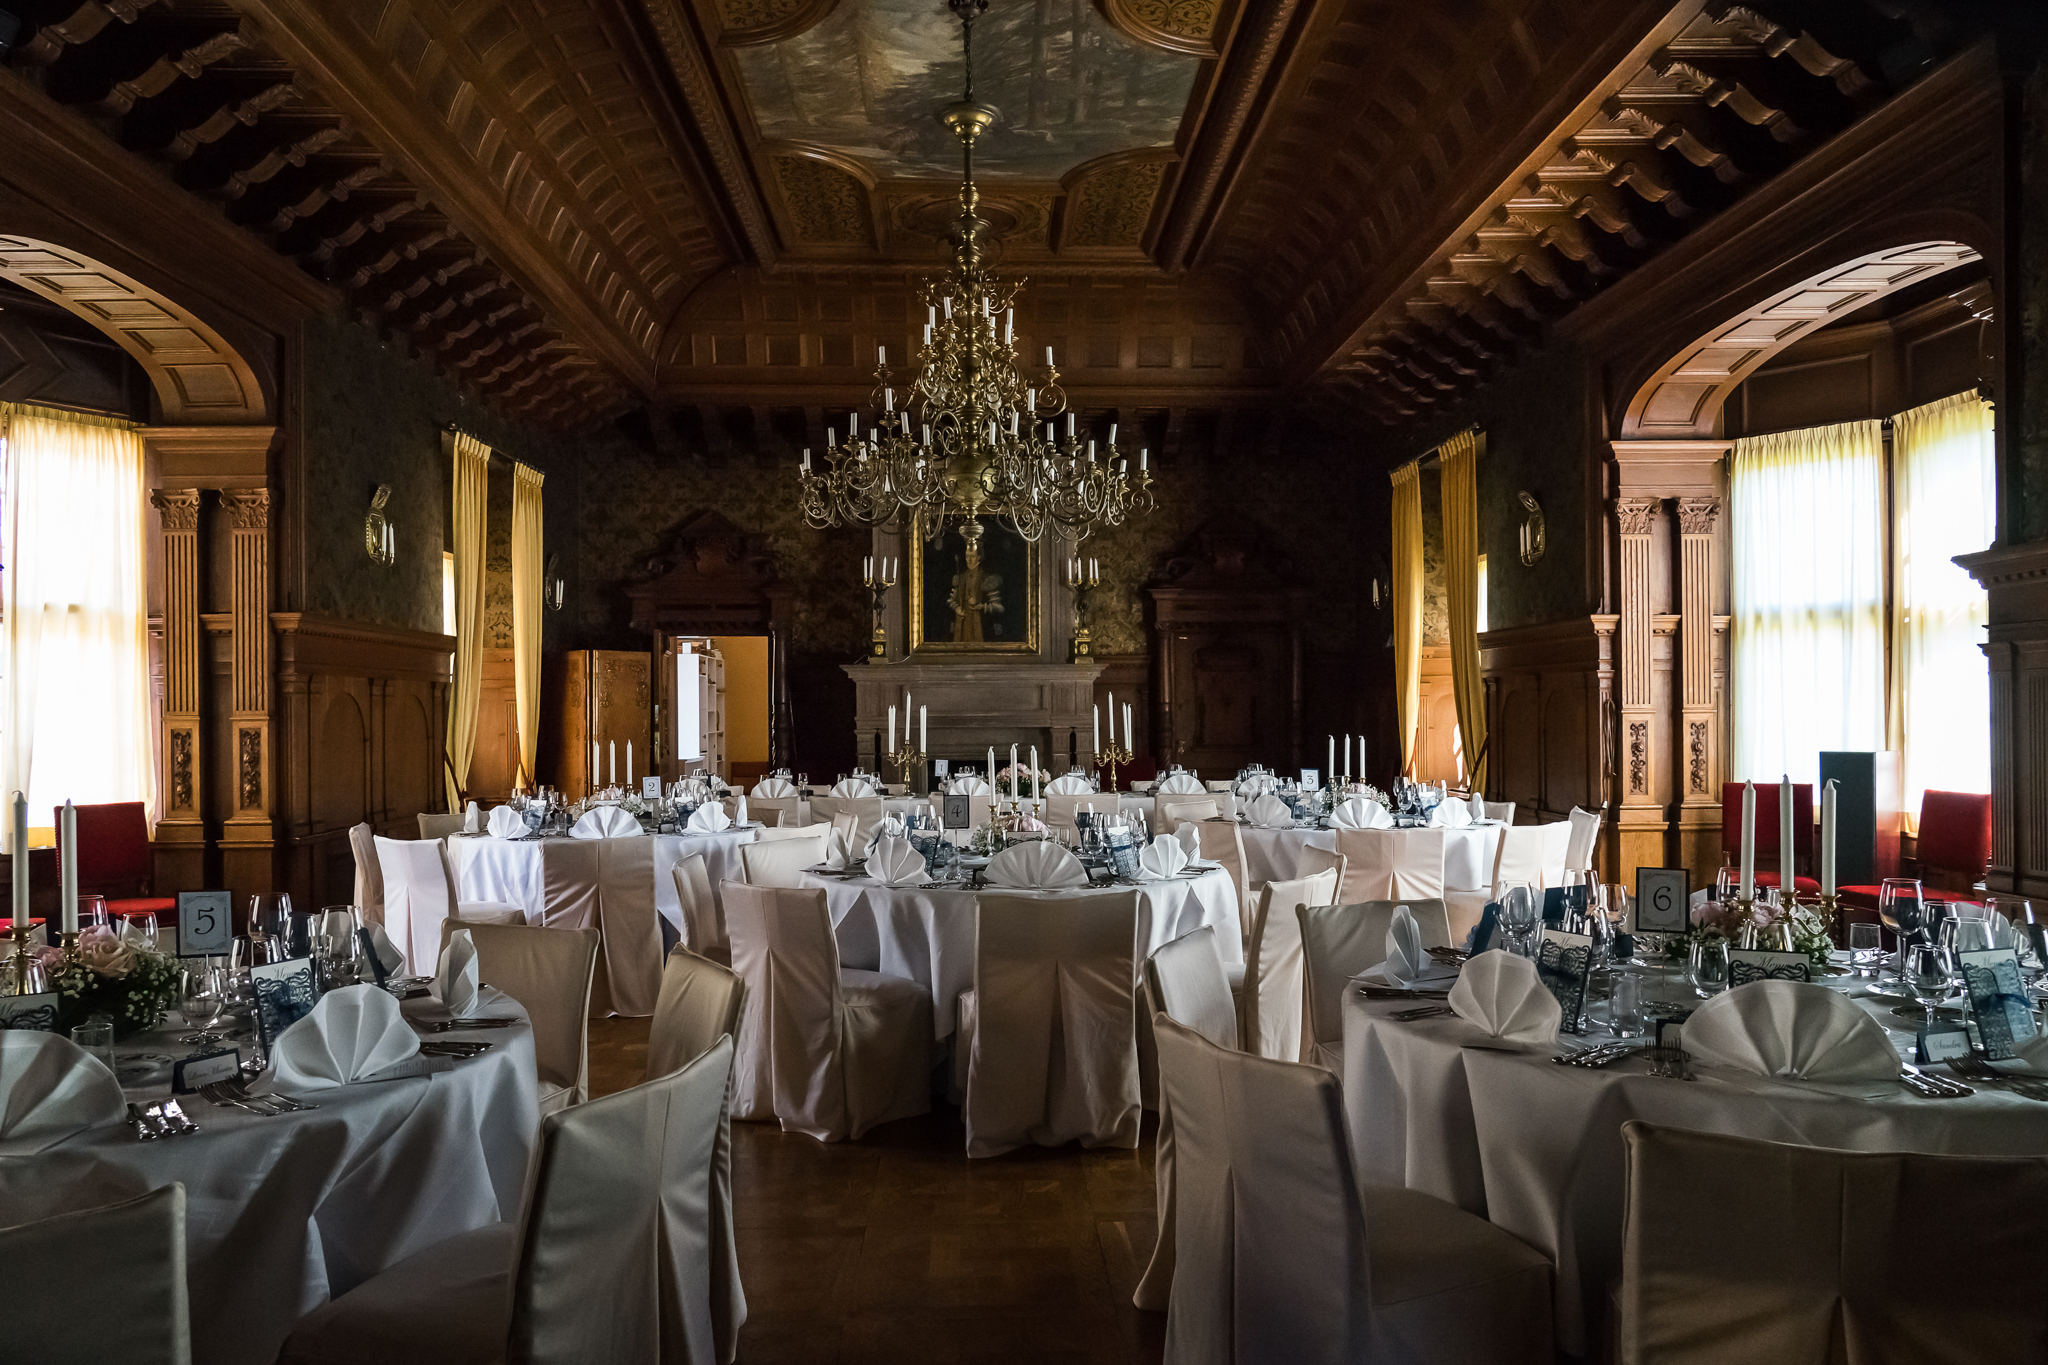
975,705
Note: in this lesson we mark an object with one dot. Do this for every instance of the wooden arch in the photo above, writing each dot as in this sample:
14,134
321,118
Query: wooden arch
199,378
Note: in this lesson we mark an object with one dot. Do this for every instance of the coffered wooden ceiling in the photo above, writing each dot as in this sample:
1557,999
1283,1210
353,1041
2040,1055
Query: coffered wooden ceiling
581,206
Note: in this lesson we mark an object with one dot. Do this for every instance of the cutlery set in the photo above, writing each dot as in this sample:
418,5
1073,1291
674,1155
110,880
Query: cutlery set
1424,1012
452,1048
1977,1069
1931,1087
236,1094
159,1119
462,1025
1602,1054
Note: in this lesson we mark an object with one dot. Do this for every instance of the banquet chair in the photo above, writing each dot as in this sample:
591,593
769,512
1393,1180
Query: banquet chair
1281,1255
700,1002
1520,858
1051,1024
1337,943
1740,1249
1314,860
775,833
114,860
1061,807
419,893
1391,864
1169,811
829,1051
1580,842
1954,848
369,893
1223,843
549,972
1556,841
136,1251
865,810
437,826
778,862
1767,830
612,1259
775,812
608,885
1269,1003
703,926
1503,811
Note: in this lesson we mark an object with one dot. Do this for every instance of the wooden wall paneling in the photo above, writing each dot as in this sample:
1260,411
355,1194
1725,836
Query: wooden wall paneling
494,763
180,835
248,839
1436,744
1549,694
1698,766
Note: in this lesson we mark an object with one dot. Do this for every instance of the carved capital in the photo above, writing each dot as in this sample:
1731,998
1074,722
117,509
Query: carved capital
1696,516
180,507
1636,514
249,507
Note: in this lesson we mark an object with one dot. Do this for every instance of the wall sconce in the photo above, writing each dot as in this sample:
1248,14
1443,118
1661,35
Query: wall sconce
554,593
378,542
1380,592
1531,529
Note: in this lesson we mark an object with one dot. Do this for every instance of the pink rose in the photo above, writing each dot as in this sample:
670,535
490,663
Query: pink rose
105,954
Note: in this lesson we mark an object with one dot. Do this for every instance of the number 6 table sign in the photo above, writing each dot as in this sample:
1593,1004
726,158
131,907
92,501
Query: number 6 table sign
1663,900
206,923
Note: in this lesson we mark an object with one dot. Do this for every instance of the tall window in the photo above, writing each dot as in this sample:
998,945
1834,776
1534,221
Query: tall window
76,720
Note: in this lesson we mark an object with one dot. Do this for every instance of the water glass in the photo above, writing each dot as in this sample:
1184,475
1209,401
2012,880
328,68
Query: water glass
1927,976
96,1035
1521,917
200,1001
1866,946
270,915
1625,1005
1708,968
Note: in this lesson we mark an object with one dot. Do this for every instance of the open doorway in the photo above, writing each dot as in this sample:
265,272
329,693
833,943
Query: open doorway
746,707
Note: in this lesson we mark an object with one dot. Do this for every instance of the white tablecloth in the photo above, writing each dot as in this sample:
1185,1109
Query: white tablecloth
928,936
1537,1147
284,1212
509,870
1274,855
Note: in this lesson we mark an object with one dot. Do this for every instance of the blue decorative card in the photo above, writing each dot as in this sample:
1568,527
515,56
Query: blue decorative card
285,993
1123,853
1998,1001
1563,962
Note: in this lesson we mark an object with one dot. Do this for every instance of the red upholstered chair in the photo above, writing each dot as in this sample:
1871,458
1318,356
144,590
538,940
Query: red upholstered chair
1955,848
1767,830
1139,769
113,860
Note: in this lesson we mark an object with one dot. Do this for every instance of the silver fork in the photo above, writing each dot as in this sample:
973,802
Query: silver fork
217,1094
1931,1087
285,1104
1977,1069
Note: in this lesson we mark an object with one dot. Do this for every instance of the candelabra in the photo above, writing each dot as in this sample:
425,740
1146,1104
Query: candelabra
880,575
17,974
1111,757
906,759
1081,580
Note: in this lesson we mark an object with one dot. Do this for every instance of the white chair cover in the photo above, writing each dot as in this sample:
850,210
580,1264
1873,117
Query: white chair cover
853,787
1520,858
1357,812
774,787
134,1252
1224,845
1180,784
418,895
775,812
776,833
1069,784
1036,864
1793,1031
779,862
1391,864
1168,812
1557,838
703,921
700,1003
1052,1023
1282,1257
1503,811
1501,995
1337,943
51,1089
549,972
865,812
605,822
608,885
362,841
829,1051
435,826
1578,849
969,785
1271,1006
1060,807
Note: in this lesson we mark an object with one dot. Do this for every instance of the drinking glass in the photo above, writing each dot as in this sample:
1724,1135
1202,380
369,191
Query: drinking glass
1966,934
92,914
143,925
1625,1005
96,1035
1724,883
1866,946
1520,916
1899,909
1708,968
1927,976
200,1001
270,915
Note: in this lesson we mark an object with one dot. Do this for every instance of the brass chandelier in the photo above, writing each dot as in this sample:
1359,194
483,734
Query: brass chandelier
972,439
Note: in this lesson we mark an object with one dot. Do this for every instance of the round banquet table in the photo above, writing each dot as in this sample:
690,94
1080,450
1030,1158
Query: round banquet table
510,870
284,1212
928,936
1274,855
1439,1106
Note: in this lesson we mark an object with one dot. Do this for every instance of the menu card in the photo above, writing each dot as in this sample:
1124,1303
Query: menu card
37,1012
1563,963
285,993
1998,1000
1123,854
1749,964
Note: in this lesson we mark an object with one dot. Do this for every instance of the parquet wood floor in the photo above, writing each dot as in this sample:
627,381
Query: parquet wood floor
897,1248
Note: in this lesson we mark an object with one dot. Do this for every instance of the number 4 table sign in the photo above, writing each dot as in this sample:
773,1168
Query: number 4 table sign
206,923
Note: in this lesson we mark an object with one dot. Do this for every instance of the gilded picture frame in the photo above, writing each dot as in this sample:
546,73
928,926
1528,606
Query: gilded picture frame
938,579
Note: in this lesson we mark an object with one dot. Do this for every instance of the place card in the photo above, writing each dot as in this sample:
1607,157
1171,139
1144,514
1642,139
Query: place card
955,812
1998,1000
34,1012
206,923
1941,1043
1663,900
285,993
204,1069
1754,964
1563,963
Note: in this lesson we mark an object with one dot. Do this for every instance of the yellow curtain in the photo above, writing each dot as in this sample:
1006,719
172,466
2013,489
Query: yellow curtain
1407,607
1461,576
78,722
469,506
526,603
1944,500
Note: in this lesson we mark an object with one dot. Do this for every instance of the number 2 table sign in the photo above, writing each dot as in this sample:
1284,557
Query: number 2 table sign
206,923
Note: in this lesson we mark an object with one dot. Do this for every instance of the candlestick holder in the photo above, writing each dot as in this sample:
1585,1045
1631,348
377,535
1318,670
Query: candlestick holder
1081,584
906,761
18,968
879,580
1112,756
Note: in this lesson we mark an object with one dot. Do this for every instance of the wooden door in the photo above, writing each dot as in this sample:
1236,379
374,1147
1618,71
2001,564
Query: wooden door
1232,690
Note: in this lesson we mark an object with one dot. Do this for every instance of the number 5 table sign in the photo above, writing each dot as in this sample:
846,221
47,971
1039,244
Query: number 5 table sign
206,923
1663,900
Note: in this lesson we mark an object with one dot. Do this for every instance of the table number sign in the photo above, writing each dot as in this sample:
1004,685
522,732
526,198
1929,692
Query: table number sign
37,1012
957,813
206,923
1563,963
650,787
1311,779
1663,900
1998,1001
1748,964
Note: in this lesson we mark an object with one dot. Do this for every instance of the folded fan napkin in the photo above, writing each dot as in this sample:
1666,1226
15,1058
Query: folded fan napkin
472,819
605,822
388,955
1036,865
1181,784
457,978
853,786
1357,812
1501,994
895,863
1162,858
51,1088
1450,815
1791,1030
839,853
1477,806
1258,784
1071,784
1408,963
1270,812
774,787
968,786
1190,836
888,827
506,823
352,1035
709,818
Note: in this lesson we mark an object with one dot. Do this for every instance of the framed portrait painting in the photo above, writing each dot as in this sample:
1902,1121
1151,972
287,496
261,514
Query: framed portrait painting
973,589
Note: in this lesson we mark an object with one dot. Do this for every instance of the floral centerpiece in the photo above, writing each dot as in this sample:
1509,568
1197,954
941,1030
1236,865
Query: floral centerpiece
134,986
1017,781
1725,921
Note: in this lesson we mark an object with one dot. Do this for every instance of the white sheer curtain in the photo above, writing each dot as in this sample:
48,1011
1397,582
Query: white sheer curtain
1945,491
1806,521
77,721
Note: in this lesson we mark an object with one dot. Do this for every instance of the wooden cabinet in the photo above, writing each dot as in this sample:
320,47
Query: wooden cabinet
604,706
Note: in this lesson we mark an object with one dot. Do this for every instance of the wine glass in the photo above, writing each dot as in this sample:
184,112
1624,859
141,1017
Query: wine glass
1927,975
1520,917
1708,967
141,928
270,917
201,998
1900,910
92,914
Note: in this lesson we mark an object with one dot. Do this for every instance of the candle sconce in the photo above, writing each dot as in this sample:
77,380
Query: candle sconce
1081,579
554,593
378,541
879,575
